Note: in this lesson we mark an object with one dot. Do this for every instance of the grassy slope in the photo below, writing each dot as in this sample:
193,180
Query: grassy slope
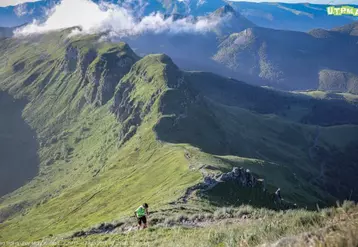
83,175
86,178
243,226
232,120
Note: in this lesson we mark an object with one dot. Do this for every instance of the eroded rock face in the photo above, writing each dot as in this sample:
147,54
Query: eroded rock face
100,71
71,59
105,75
239,175
126,112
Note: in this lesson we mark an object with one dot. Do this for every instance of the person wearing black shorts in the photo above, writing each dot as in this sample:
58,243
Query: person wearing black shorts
143,220
141,213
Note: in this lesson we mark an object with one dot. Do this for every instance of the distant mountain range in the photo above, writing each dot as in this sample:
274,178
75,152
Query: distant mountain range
237,47
294,60
298,17
288,60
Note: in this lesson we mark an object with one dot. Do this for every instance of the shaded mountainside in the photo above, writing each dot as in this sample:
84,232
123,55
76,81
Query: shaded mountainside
115,129
287,60
338,81
16,137
292,60
5,32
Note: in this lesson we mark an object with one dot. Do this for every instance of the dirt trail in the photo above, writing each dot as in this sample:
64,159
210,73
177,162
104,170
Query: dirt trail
108,228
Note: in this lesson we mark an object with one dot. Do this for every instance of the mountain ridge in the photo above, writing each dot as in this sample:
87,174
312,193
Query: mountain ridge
159,123
238,48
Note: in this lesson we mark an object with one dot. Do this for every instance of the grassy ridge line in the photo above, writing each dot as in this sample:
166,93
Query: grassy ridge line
65,192
85,179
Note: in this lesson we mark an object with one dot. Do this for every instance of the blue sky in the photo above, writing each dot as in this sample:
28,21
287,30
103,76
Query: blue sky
14,2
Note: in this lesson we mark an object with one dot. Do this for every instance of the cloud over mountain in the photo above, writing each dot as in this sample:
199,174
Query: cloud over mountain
118,20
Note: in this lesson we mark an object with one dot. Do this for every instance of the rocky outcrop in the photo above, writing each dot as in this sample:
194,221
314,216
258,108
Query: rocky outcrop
126,112
100,71
152,74
241,176
86,60
105,73
71,59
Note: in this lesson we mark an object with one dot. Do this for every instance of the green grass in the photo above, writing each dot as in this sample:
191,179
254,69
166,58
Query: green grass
242,226
98,162
90,180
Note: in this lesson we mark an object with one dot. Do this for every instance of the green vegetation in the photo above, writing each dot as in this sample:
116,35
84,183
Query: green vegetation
242,226
249,227
115,130
83,175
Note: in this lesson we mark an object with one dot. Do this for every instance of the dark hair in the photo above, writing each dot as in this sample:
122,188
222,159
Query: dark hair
145,205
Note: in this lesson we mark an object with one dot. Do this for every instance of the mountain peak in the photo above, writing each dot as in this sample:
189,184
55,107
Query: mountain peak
227,9
159,58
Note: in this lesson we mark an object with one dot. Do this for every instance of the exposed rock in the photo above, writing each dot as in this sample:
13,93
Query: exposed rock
11,209
210,182
126,112
239,175
105,73
71,59
87,59
18,66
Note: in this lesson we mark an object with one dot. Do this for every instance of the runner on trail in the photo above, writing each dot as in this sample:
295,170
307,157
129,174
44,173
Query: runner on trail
141,213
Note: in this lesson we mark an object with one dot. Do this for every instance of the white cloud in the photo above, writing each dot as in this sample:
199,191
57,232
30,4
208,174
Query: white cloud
4,3
93,18
22,9
200,2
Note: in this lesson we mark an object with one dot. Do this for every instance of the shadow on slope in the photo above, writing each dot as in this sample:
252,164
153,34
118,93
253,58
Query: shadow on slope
18,146
229,118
